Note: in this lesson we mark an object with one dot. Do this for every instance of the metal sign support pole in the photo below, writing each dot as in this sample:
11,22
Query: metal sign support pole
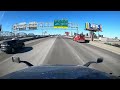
92,35
77,30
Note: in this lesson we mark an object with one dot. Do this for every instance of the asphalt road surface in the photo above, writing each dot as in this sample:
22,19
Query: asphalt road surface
60,50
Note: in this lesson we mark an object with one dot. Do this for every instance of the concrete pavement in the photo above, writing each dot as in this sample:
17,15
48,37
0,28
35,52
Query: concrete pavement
35,54
67,51
88,52
106,47
64,51
28,43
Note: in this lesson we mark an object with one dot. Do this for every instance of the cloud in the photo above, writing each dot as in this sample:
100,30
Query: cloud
2,15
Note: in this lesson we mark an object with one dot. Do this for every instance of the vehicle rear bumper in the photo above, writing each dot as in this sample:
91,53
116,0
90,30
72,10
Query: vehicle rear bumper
81,40
4,49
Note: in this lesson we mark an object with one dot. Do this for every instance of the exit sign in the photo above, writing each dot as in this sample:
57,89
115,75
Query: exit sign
60,23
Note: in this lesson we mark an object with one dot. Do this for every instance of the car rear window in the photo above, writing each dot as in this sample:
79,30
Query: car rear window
9,42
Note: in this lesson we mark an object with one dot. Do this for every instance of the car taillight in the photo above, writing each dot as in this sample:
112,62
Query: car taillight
5,45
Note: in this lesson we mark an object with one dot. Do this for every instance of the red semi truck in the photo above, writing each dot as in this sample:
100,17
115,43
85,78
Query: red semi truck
80,38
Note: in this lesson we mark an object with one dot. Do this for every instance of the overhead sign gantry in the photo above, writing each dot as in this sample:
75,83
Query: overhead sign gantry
57,24
61,23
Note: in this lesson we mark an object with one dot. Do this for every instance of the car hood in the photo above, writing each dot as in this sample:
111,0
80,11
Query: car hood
59,72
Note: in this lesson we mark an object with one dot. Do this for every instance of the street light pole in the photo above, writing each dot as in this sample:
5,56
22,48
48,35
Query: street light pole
42,27
77,28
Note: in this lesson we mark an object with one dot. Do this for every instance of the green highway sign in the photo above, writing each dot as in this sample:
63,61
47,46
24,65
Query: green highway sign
60,23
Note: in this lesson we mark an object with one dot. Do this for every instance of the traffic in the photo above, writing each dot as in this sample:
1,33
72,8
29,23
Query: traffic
58,48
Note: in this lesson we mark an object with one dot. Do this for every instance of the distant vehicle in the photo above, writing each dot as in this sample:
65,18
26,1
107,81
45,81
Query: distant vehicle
12,46
80,38
15,38
20,36
36,36
58,71
51,35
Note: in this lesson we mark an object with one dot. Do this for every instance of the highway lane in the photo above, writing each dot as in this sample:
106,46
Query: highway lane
28,47
67,51
88,52
28,44
35,54
63,51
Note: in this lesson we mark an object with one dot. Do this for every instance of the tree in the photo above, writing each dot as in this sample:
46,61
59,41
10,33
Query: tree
31,34
100,35
116,37
82,33
87,34
17,34
22,34
95,36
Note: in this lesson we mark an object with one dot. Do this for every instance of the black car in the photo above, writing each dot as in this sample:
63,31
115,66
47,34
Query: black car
12,46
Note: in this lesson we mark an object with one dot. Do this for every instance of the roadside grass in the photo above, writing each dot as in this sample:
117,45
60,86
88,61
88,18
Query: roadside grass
116,45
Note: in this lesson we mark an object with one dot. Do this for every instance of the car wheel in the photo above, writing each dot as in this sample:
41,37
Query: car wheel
23,45
86,41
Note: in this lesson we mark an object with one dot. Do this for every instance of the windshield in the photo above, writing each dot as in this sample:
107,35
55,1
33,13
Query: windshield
60,38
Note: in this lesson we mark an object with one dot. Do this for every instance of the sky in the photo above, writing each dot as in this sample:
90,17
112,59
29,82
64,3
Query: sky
110,20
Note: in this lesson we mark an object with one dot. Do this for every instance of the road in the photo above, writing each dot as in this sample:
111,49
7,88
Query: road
60,50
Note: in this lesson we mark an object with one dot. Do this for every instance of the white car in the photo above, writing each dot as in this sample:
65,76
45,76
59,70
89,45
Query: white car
15,38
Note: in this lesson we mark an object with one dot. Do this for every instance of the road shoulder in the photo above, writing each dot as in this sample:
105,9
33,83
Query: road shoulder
106,47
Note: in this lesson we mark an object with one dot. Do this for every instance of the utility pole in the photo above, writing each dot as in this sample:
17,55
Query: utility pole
92,35
42,27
